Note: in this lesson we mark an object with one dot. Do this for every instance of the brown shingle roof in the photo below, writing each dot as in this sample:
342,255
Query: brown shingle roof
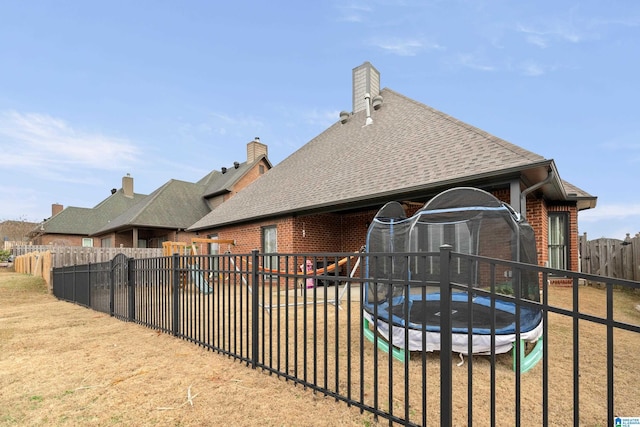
409,147
583,199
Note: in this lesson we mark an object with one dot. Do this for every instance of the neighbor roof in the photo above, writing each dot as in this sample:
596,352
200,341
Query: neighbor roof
176,204
409,148
84,221
218,182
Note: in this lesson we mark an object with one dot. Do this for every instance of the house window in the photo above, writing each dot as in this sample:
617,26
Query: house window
261,169
214,249
270,245
106,242
558,256
87,242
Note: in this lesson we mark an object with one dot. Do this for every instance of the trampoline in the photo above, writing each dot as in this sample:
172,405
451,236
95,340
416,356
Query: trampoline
402,299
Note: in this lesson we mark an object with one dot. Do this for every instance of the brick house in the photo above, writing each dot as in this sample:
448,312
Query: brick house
390,147
136,220
73,226
165,214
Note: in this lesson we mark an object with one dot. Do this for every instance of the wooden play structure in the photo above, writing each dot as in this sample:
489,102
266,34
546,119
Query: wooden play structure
191,271
183,248
305,275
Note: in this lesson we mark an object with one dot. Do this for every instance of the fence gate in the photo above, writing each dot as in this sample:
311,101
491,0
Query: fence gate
120,287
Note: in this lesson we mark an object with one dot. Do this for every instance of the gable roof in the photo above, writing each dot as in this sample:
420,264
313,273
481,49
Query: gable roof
178,204
175,205
84,221
408,149
219,183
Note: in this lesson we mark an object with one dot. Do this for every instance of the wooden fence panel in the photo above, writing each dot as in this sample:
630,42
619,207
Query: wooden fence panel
35,264
611,257
635,257
63,256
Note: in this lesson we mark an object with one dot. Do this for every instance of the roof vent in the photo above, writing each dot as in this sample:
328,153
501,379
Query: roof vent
377,102
236,165
344,117
224,170
367,98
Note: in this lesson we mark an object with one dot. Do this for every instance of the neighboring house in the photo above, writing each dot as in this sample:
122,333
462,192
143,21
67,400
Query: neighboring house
165,214
323,197
135,220
73,226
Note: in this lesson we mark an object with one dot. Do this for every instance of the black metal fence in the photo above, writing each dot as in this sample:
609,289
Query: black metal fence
308,327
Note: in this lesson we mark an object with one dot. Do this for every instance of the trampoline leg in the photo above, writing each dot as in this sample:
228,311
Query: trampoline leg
530,360
397,353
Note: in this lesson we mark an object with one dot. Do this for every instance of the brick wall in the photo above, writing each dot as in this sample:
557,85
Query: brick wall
304,234
347,233
537,215
59,240
250,176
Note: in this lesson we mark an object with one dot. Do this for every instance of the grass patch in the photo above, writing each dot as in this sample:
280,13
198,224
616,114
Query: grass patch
20,288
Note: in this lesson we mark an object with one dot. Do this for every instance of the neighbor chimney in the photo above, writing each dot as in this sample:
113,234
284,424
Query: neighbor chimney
366,79
56,209
255,149
127,186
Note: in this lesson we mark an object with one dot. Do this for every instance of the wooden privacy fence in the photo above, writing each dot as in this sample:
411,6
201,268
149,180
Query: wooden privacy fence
39,260
35,264
63,256
611,257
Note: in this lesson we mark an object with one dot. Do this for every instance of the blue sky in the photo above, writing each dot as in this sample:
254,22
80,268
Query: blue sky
91,91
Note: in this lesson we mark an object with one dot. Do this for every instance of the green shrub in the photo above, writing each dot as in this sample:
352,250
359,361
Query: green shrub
4,255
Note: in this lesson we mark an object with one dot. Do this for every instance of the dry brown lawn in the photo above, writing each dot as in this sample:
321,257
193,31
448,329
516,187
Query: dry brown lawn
62,364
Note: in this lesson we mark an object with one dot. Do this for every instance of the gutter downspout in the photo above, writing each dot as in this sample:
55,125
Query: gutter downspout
526,191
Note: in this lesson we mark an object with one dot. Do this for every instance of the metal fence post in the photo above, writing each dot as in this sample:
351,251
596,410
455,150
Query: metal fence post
446,386
112,292
254,309
89,298
131,287
73,288
175,274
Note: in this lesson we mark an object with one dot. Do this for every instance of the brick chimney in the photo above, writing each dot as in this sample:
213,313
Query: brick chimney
255,149
56,208
127,186
366,79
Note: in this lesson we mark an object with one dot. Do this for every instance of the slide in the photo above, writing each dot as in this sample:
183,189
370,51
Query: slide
198,279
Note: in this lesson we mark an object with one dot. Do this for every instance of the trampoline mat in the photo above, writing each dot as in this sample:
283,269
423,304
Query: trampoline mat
428,312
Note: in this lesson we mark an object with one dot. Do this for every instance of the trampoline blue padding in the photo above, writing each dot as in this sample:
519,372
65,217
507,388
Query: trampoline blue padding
425,314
